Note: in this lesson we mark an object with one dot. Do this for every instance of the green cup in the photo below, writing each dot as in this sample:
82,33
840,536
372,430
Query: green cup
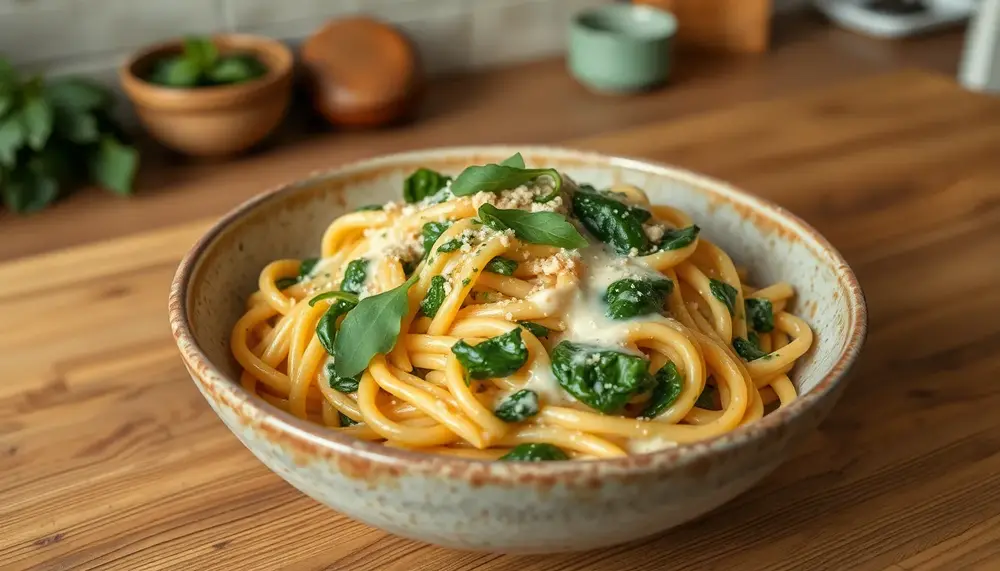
621,48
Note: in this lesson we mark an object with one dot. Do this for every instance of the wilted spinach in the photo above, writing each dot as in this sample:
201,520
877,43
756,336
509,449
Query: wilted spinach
611,221
423,183
495,357
669,383
355,276
631,297
535,452
434,297
600,378
518,407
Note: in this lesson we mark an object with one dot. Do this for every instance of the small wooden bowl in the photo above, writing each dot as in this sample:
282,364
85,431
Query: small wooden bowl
212,121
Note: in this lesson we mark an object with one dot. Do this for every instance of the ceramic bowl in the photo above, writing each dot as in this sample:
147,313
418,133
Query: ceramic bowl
497,506
212,121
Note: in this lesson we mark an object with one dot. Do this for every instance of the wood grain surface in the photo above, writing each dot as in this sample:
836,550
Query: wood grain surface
109,457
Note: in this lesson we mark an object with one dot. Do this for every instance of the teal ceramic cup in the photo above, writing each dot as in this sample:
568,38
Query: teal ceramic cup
621,48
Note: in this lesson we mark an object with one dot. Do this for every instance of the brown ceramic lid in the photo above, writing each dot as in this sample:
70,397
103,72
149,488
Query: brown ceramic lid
361,71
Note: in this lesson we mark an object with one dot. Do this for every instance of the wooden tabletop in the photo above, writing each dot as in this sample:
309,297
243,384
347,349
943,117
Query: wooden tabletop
110,458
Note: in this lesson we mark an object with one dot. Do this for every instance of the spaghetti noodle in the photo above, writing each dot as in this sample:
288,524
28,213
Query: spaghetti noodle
519,316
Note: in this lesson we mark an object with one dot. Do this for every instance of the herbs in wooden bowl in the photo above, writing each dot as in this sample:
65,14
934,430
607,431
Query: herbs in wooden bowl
201,65
55,136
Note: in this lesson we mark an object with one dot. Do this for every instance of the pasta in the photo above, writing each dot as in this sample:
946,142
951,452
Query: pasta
511,313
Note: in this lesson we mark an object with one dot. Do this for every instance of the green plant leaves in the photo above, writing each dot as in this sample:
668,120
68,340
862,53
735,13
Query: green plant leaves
547,228
495,357
113,165
12,138
423,183
611,221
37,118
509,174
535,452
669,384
371,328
200,64
631,297
518,407
76,95
724,293
603,379
235,69
760,313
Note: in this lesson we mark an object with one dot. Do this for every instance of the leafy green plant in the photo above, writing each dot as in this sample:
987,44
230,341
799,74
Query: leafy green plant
431,231
371,328
56,135
669,384
760,313
548,228
600,378
423,183
676,239
502,266
355,276
631,297
724,293
434,297
507,175
201,65
342,384
493,358
748,349
534,452
518,407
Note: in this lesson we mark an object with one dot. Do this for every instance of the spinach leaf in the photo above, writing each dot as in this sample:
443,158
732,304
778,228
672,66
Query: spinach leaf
502,266
547,228
423,183
338,295
675,239
629,297
346,420
282,283
326,327
537,330
201,65
611,221
371,328
410,266
434,297
342,384
505,176
235,69
540,452
369,208
519,406
748,350
355,276
495,357
706,399
760,313
724,293
431,232
669,383
450,245
306,267
602,379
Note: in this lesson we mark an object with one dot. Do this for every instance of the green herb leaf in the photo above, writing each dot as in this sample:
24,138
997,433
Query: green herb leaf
669,383
505,176
346,420
431,231
502,266
12,138
450,245
675,239
602,379
518,407
78,126
434,297
371,328
760,313
326,327
282,283
423,183
342,384
724,293
630,297
537,330
235,69
747,350
355,276
201,52
29,190
307,266
113,165
535,452
335,295
611,221
37,117
76,95
495,357
370,207
706,399
547,228
176,72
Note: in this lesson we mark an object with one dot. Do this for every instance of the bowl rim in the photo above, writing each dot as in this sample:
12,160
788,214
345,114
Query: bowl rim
314,440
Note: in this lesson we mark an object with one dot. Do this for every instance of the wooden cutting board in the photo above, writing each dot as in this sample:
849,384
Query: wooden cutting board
109,457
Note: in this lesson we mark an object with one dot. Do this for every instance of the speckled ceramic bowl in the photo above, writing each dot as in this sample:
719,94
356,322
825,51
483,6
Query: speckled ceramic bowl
543,507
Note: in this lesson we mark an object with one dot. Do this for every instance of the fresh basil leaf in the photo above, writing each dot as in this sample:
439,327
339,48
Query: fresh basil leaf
371,328
335,295
235,69
431,231
282,283
515,161
12,138
724,293
669,383
537,330
706,399
177,72
342,384
29,190
602,379
518,407
36,114
346,420
326,327
547,228
434,297
78,126
306,267
450,245
611,221
748,350
535,452
113,165
201,52
631,297
760,313
675,239
370,207
355,276
496,178
502,266
495,357
423,183
76,95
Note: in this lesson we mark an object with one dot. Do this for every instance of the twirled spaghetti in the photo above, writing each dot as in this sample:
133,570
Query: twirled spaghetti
617,349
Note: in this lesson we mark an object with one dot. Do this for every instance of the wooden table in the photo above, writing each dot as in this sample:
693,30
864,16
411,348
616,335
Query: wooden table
109,457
